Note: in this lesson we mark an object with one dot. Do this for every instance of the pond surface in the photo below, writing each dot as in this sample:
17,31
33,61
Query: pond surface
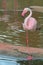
13,32
8,60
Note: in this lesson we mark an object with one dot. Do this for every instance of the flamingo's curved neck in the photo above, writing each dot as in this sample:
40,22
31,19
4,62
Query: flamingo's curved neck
26,19
29,14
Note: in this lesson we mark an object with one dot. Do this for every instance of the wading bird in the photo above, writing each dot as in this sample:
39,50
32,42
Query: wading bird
30,23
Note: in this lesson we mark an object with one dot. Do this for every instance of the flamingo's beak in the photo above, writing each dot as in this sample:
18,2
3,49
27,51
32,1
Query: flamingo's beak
22,14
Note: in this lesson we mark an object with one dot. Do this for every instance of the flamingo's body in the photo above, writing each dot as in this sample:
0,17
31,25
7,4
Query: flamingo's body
30,23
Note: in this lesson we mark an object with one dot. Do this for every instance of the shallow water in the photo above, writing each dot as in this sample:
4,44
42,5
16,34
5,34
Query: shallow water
12,31
8,60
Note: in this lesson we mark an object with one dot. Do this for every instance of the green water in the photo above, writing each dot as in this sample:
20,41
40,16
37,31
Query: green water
12,31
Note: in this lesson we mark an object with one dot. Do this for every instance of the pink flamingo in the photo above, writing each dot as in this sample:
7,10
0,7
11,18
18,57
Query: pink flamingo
30,23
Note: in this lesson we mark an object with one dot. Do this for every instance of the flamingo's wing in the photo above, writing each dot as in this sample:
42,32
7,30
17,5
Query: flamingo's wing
32,24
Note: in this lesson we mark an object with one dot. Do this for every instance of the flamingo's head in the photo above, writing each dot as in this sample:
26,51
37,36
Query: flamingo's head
24,11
